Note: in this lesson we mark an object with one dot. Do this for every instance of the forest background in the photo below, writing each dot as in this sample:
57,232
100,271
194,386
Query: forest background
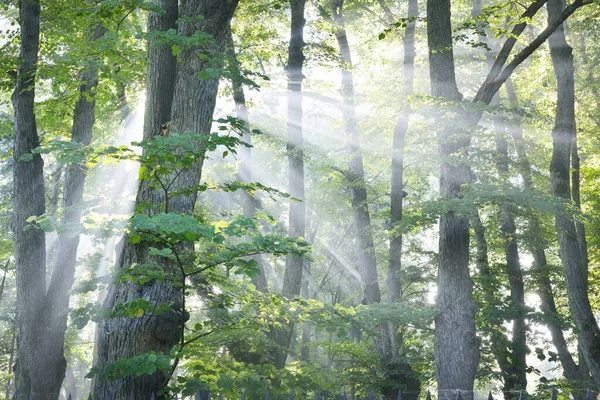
299,197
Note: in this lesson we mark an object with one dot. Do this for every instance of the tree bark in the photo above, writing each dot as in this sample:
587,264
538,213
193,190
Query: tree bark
570,252
401,372
190,109
292,279
245,171
514,375
394,282
456,346
65,257
28,201
356,173
536,246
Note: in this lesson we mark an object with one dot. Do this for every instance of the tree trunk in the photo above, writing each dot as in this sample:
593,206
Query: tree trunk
394,282
65,257
515,377
29,200
190,109
356,173
456,346
536,246
245,171
292,279
563,134
499,342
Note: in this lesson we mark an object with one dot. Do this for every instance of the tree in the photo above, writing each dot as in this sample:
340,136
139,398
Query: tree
292,279
190,110
456,346
29,201
571,250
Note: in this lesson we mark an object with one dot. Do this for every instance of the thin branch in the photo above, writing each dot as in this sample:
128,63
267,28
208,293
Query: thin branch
493,83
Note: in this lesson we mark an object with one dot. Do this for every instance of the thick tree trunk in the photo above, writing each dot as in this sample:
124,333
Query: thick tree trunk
191,110
29,200
245,171
563,134
456,346
292,279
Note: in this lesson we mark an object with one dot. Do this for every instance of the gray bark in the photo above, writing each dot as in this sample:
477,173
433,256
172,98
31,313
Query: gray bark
394,282
189,109
29,200
563,133
245,172
456,346
65,257
292,279
513,368
400,372
536,246
356,173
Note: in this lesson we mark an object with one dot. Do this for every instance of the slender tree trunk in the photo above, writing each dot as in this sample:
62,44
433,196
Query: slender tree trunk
292,279
515,377
401,372
63,272
563,134
536,246
306,326
187,104
29,200
394,281
456,346
245,171
499,342
356,173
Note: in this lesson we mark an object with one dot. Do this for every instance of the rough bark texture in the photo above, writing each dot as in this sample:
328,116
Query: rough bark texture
292,279
456,346
536,246
189,109
29,200
563,134
245,156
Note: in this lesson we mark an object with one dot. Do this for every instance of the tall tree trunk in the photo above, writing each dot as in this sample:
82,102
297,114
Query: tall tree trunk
536,246
394,282
292,279
499,342
356,172
456,346
401,373
245,157
563,134
515,376
187,104
29,200
65,257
